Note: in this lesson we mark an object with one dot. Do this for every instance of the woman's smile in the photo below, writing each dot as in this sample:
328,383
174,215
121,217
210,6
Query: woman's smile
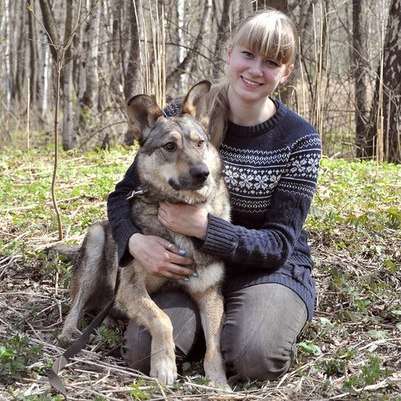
249,83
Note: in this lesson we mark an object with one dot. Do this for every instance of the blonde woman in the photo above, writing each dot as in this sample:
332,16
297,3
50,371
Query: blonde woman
271,157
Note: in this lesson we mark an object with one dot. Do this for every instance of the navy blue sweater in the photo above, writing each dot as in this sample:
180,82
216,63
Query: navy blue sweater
271,172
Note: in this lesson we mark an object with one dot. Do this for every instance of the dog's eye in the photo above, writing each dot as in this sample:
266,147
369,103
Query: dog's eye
200,143
170,146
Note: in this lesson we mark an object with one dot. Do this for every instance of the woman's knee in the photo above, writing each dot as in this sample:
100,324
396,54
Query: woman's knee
267,358
260,330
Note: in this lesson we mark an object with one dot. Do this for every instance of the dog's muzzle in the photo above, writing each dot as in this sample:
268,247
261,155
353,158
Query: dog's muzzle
193,181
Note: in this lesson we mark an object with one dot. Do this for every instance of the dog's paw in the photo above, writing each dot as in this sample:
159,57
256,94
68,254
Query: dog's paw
164,369
220,384
218,380
215,373
67,336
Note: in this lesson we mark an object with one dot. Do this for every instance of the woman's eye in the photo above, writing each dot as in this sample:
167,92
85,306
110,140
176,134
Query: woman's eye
247,54
272,63
170,146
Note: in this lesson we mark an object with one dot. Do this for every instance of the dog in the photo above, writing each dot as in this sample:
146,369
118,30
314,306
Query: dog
176,163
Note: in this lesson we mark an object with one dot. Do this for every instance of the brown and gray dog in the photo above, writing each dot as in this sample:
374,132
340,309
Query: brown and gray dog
176,163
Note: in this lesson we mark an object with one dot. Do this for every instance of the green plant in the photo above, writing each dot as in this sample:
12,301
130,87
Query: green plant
16,354
309,347
371,373
337,365
139,390
109,336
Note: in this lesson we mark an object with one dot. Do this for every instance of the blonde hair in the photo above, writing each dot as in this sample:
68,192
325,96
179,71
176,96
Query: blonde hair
271,34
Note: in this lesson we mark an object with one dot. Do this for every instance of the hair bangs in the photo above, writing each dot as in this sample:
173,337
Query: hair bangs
273,38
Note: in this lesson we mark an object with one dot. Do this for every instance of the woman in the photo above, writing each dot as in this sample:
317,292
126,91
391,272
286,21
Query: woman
271,158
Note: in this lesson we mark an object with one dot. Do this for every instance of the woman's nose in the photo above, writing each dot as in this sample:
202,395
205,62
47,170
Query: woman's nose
257,68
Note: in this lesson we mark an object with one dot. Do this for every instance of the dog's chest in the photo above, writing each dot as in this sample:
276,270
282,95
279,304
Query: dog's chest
145,216
209,272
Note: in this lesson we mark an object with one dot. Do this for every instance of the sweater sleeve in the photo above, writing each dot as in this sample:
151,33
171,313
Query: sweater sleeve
119,214
270,246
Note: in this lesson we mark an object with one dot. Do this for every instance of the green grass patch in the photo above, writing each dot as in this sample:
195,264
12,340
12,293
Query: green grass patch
16,355
364,196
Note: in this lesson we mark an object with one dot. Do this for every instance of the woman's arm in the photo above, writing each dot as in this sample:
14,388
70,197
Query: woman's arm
119,214
271,245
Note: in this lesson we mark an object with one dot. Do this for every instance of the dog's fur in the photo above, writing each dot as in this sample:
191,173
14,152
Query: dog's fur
176,163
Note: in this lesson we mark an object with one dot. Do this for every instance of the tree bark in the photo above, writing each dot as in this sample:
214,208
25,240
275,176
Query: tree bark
69,137
90,96
20,72
45,61
359,75
50,25
33,56
133,62
182,67
8,61
116,47
384,135
223,30
281,5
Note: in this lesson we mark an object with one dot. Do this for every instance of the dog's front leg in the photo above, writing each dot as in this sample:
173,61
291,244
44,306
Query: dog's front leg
136,302
211,309
70,328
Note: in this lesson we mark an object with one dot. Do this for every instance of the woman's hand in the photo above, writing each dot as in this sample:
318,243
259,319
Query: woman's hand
159,256
190,220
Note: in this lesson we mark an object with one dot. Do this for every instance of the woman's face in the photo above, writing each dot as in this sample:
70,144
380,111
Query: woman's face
252,77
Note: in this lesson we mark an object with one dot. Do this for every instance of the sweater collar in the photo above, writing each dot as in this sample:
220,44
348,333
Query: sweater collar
261,128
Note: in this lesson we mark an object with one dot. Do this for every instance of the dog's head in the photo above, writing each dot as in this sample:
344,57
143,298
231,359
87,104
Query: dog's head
175,154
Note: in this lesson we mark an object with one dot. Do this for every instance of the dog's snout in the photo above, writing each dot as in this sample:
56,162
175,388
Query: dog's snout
199,172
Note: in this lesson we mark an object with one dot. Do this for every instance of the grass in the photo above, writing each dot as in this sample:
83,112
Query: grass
351,350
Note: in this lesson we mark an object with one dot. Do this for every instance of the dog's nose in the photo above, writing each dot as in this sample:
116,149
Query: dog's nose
199,172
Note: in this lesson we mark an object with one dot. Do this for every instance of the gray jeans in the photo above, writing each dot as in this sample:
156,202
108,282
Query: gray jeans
260,329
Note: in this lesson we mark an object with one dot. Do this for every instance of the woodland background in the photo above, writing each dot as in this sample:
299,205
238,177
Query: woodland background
70,66
347,80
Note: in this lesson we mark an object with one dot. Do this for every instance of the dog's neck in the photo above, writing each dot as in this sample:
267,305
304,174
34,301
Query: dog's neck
150,194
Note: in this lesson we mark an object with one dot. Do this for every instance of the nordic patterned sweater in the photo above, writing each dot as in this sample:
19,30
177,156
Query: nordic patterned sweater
270,170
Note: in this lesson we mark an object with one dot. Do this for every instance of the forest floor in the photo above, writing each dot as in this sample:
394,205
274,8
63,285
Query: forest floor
350,351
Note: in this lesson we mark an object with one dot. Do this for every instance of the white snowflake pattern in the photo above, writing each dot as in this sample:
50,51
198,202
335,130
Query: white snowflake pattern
231,176
262,182
246,180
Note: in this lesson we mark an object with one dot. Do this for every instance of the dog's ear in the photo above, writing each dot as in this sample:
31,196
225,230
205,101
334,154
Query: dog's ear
143,112
196,104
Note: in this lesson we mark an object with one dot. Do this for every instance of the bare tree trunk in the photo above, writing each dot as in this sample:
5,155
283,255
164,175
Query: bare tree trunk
44,79
20,72
9,80
384,137
69,137
51,27
181,53
182,67
90,97
281,5
33,56
133,62
359,75
116,79
223,30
